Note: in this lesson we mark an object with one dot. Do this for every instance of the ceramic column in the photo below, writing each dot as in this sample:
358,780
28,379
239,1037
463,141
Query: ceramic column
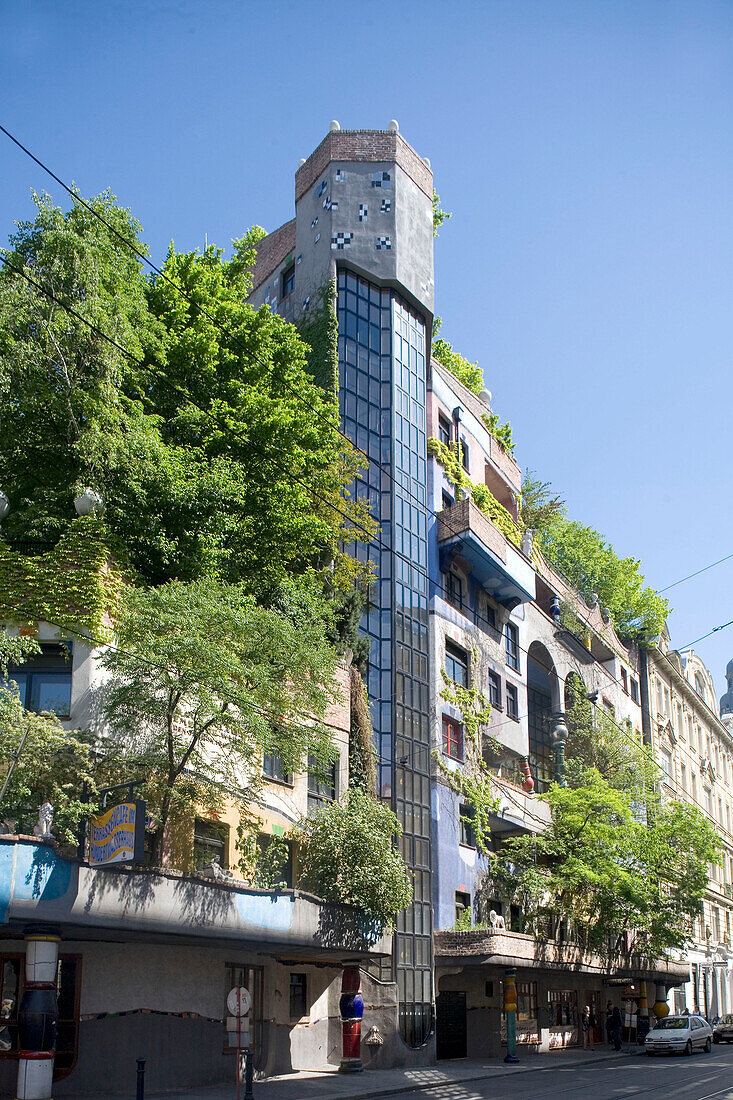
642,1025
510,1011
351,1007
660,1008
559,737
38,1017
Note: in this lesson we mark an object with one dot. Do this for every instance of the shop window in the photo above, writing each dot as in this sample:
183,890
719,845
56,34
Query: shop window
511,638
454,589
298,996
322,782
467,815
288,281
456,664
44,680
495,689
444,430
452,738
252,978
68,986
512,702
274,767
463,902
563,1007
210,841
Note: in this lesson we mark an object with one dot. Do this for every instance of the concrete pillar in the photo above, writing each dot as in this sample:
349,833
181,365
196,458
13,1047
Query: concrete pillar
510,1010
38,1017
351,1007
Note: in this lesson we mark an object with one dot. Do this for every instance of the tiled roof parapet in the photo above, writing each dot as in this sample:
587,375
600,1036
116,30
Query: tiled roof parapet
364,145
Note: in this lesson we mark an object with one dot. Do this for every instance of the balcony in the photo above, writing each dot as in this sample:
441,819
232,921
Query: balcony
496,563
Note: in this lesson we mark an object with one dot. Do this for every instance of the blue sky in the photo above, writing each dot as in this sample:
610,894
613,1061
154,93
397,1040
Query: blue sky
585,149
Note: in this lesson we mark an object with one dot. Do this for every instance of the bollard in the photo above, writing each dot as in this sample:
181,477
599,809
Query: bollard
140,1079
248,1095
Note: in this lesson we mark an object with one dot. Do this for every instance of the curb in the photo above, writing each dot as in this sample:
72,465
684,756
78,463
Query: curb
406,1086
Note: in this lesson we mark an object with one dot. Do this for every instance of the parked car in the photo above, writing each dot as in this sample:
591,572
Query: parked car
679,1035
723,1029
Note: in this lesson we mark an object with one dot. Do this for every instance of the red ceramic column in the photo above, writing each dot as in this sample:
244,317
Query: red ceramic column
351,1007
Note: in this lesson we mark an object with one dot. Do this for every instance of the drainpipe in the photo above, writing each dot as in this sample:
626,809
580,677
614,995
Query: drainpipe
646,717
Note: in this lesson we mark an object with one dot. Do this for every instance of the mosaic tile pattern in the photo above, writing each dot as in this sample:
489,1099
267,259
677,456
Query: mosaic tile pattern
386,206
306,302
329,204
314,223
300,257
363,211
322,188
381,179
341,240
383,242
340,176
317,238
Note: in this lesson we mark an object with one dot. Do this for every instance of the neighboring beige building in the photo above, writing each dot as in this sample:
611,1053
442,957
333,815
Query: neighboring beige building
694,749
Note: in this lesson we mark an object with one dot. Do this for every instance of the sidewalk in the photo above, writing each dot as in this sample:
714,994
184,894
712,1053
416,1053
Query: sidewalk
331,1085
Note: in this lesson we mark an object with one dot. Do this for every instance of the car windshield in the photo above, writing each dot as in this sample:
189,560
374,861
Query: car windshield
673,1023
727,1019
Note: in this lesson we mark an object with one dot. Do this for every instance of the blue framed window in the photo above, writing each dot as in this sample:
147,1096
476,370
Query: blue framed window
44,680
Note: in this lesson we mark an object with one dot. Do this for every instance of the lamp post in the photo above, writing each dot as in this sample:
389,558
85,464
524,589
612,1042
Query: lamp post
559,737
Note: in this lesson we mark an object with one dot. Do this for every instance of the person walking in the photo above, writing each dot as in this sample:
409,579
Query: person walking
586,1024
617,1026
609,1023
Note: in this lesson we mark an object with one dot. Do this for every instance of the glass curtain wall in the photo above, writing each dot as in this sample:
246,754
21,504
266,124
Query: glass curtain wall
382,402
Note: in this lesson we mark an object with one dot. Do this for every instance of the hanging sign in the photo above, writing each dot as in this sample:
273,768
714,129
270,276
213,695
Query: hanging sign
117,835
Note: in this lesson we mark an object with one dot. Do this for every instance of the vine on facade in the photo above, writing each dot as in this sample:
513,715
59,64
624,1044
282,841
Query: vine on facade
450,459
320,332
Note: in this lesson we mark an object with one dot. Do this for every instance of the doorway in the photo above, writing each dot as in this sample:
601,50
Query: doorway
450,1021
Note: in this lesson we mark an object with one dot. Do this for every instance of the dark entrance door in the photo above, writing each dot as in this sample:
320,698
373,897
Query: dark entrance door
450,1025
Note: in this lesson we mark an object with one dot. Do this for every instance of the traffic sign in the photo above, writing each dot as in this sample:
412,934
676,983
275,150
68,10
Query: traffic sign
239,1000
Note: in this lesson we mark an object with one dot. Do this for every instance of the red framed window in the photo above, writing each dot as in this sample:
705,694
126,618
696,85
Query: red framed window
452,738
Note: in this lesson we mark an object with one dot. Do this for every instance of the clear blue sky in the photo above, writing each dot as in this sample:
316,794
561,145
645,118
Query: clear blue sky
585,149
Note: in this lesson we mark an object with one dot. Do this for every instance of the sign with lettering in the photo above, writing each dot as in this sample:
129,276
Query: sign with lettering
117,835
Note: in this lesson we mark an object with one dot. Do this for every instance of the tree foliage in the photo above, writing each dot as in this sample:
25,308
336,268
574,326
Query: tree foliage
203,680
539,505
347,854
213,449
616,858
439,215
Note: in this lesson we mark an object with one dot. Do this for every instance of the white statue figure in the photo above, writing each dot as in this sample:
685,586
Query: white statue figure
213,869
45,820
496,921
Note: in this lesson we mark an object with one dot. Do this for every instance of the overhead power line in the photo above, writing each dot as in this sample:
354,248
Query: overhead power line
695,574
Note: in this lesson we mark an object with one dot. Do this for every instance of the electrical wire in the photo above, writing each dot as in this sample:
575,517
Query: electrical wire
695,574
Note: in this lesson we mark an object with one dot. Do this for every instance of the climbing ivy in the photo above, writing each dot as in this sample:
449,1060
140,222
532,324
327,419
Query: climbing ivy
320,332
502,433
73,585
450,459
473,782
472,377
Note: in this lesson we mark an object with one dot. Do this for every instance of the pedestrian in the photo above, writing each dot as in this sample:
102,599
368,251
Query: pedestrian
586,1024
609,1022
617,1025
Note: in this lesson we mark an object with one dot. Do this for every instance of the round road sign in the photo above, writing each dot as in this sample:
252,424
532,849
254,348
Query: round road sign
239,1001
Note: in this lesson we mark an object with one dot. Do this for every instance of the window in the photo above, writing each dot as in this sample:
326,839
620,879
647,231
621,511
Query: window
454,589
448,500
322,782
495,689
298,996
465,456
512,702
667,766
250,977
456,663
452,738
210,841
511,637
634,690
444,430
683,777
44,680
625,680
463,902
282,871
288,281
468,835
274,767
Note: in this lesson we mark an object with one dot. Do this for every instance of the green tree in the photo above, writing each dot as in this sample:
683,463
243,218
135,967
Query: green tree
439,215
203,681
43,763
539,505
347,854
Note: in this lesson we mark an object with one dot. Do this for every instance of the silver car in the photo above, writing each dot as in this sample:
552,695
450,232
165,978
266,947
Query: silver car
679,1035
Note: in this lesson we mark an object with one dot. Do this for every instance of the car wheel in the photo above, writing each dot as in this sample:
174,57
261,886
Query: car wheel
716,1039
708,1045
688,1046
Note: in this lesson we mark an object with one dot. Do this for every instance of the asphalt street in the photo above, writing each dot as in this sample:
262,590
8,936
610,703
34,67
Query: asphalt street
664,1077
